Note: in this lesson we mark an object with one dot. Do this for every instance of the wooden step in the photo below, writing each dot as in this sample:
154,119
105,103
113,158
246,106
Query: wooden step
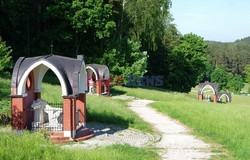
83,134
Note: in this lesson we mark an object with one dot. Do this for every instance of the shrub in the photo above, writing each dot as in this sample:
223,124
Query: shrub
235,84
5,118
5,58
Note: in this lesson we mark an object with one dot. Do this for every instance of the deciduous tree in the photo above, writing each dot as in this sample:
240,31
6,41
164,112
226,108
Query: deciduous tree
187,63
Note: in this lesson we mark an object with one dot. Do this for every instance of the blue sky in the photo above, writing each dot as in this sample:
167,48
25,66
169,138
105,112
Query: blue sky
218,20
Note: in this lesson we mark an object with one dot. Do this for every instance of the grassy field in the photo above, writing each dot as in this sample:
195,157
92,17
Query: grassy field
36,146
100,109
226,124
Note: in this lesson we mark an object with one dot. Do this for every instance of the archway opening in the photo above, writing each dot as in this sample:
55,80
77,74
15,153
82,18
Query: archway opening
92,78
223,98
43,100
50,88
208,93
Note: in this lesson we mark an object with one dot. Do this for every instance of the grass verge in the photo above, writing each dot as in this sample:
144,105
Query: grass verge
35,146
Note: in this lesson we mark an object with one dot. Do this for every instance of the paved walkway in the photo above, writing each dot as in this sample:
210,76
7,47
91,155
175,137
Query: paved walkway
177,143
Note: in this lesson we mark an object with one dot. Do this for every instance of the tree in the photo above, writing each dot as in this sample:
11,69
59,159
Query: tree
5,58
220,76
144,20
247,72
235,84
187,62
92,17
233,56
126,59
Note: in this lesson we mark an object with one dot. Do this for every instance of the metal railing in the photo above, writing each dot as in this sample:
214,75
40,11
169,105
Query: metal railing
50,118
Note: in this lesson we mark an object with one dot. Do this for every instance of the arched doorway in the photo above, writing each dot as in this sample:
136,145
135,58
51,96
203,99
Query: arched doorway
210,90
224,97
27,78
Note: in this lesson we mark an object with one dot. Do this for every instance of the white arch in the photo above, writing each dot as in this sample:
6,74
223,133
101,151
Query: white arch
207,86
83,79
92,69
106,73
45,65
228,99
39,73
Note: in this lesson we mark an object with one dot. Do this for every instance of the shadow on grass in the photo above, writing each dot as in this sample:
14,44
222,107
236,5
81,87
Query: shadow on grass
100,129
106,123
116,92
106,118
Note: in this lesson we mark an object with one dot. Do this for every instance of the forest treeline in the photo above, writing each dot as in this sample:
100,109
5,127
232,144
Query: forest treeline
132,37
229,63
233,56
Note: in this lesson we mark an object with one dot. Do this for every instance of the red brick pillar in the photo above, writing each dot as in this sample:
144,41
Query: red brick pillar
200,97
99,87
67,127
18,112
215,98
81,108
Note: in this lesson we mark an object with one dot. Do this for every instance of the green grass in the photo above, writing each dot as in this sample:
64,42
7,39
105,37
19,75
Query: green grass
246,87
107,110
35,146
226,124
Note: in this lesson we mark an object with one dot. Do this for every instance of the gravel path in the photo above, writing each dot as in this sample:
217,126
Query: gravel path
177,143
107,134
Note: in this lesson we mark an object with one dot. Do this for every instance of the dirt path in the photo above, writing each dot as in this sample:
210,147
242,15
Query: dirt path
176,143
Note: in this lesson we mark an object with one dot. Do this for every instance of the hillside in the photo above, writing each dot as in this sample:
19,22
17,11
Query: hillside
233,56
245,40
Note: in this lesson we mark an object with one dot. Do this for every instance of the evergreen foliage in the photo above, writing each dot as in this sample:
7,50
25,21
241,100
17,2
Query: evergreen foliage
5,58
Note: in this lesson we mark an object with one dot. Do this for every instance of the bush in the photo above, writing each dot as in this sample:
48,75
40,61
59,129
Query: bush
235,84
5,58
249,90
5,118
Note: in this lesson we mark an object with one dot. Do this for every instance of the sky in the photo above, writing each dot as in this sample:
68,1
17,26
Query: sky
217,20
